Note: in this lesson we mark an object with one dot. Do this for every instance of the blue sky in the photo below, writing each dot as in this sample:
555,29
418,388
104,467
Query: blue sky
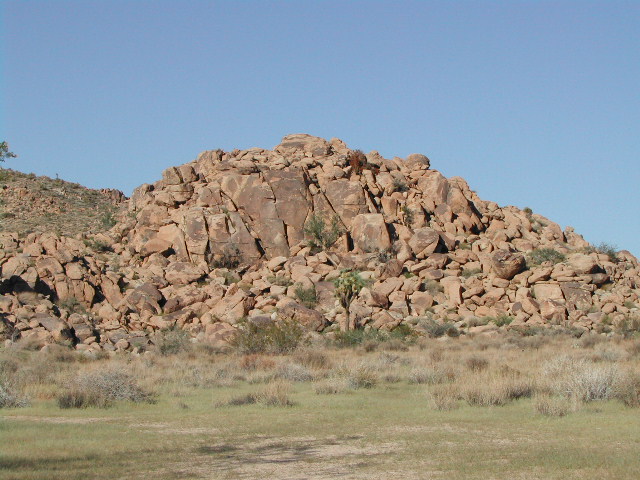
534,103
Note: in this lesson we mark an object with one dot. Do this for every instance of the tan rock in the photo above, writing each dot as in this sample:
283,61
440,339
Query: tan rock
309,318
369,232
424,242
506,264
547,291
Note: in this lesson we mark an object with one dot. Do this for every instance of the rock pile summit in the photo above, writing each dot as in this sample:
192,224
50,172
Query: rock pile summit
239,235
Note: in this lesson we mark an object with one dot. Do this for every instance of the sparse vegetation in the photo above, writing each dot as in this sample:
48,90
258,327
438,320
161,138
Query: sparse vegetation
399,185
609,250
307,296
541,255
230,257
487,385
408,216
283,336
322,234
172,341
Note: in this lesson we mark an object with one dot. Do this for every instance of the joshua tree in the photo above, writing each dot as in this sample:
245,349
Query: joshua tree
5,153
348,285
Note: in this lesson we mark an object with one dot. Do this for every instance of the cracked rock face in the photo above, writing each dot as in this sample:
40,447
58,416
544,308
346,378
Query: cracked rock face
226,236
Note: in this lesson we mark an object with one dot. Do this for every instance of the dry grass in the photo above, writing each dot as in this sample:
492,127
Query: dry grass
425,402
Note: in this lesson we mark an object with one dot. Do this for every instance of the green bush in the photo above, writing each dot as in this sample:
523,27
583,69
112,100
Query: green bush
408,216
307,296
354,338
323,235
503,320
172,341
283,336
610,250
540,255
436,329
399,185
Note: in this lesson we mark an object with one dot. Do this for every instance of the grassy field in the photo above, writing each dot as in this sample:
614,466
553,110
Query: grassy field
326,413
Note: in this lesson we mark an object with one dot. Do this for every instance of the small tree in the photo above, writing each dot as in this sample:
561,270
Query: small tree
348,285
5,153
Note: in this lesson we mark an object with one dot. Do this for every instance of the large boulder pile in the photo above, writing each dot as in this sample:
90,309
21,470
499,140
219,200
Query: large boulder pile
244,234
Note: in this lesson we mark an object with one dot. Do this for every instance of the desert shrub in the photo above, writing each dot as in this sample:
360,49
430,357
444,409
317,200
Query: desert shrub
253,362
323,235
483,394
579,379
331,386
280,280
72,305
627,389
358,376
540,255
427,376
229,258
609,250
293,372
276,394
399,185
10,397
408,216
503,320
100,388
476,363
312,359
553,405
444,397
436,329
433,287
172,341
108,220
470,272
629,326
307,296
284,336
354,338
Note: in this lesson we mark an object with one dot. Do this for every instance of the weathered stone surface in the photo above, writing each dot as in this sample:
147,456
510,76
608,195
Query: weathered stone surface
311,319
424,242
506,264
180,273
369,233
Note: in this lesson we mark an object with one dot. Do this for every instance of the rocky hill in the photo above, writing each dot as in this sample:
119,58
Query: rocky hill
42,204
263,234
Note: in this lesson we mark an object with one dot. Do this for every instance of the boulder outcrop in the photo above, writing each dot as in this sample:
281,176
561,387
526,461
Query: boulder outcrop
228,236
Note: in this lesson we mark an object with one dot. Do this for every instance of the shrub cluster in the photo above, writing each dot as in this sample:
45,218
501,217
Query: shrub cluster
541,255
322,235
101,389
283,336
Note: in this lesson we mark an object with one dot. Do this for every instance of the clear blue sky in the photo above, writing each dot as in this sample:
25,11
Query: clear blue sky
534,103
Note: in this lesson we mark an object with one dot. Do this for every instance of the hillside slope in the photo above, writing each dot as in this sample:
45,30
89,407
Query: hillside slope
263,234
41,204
